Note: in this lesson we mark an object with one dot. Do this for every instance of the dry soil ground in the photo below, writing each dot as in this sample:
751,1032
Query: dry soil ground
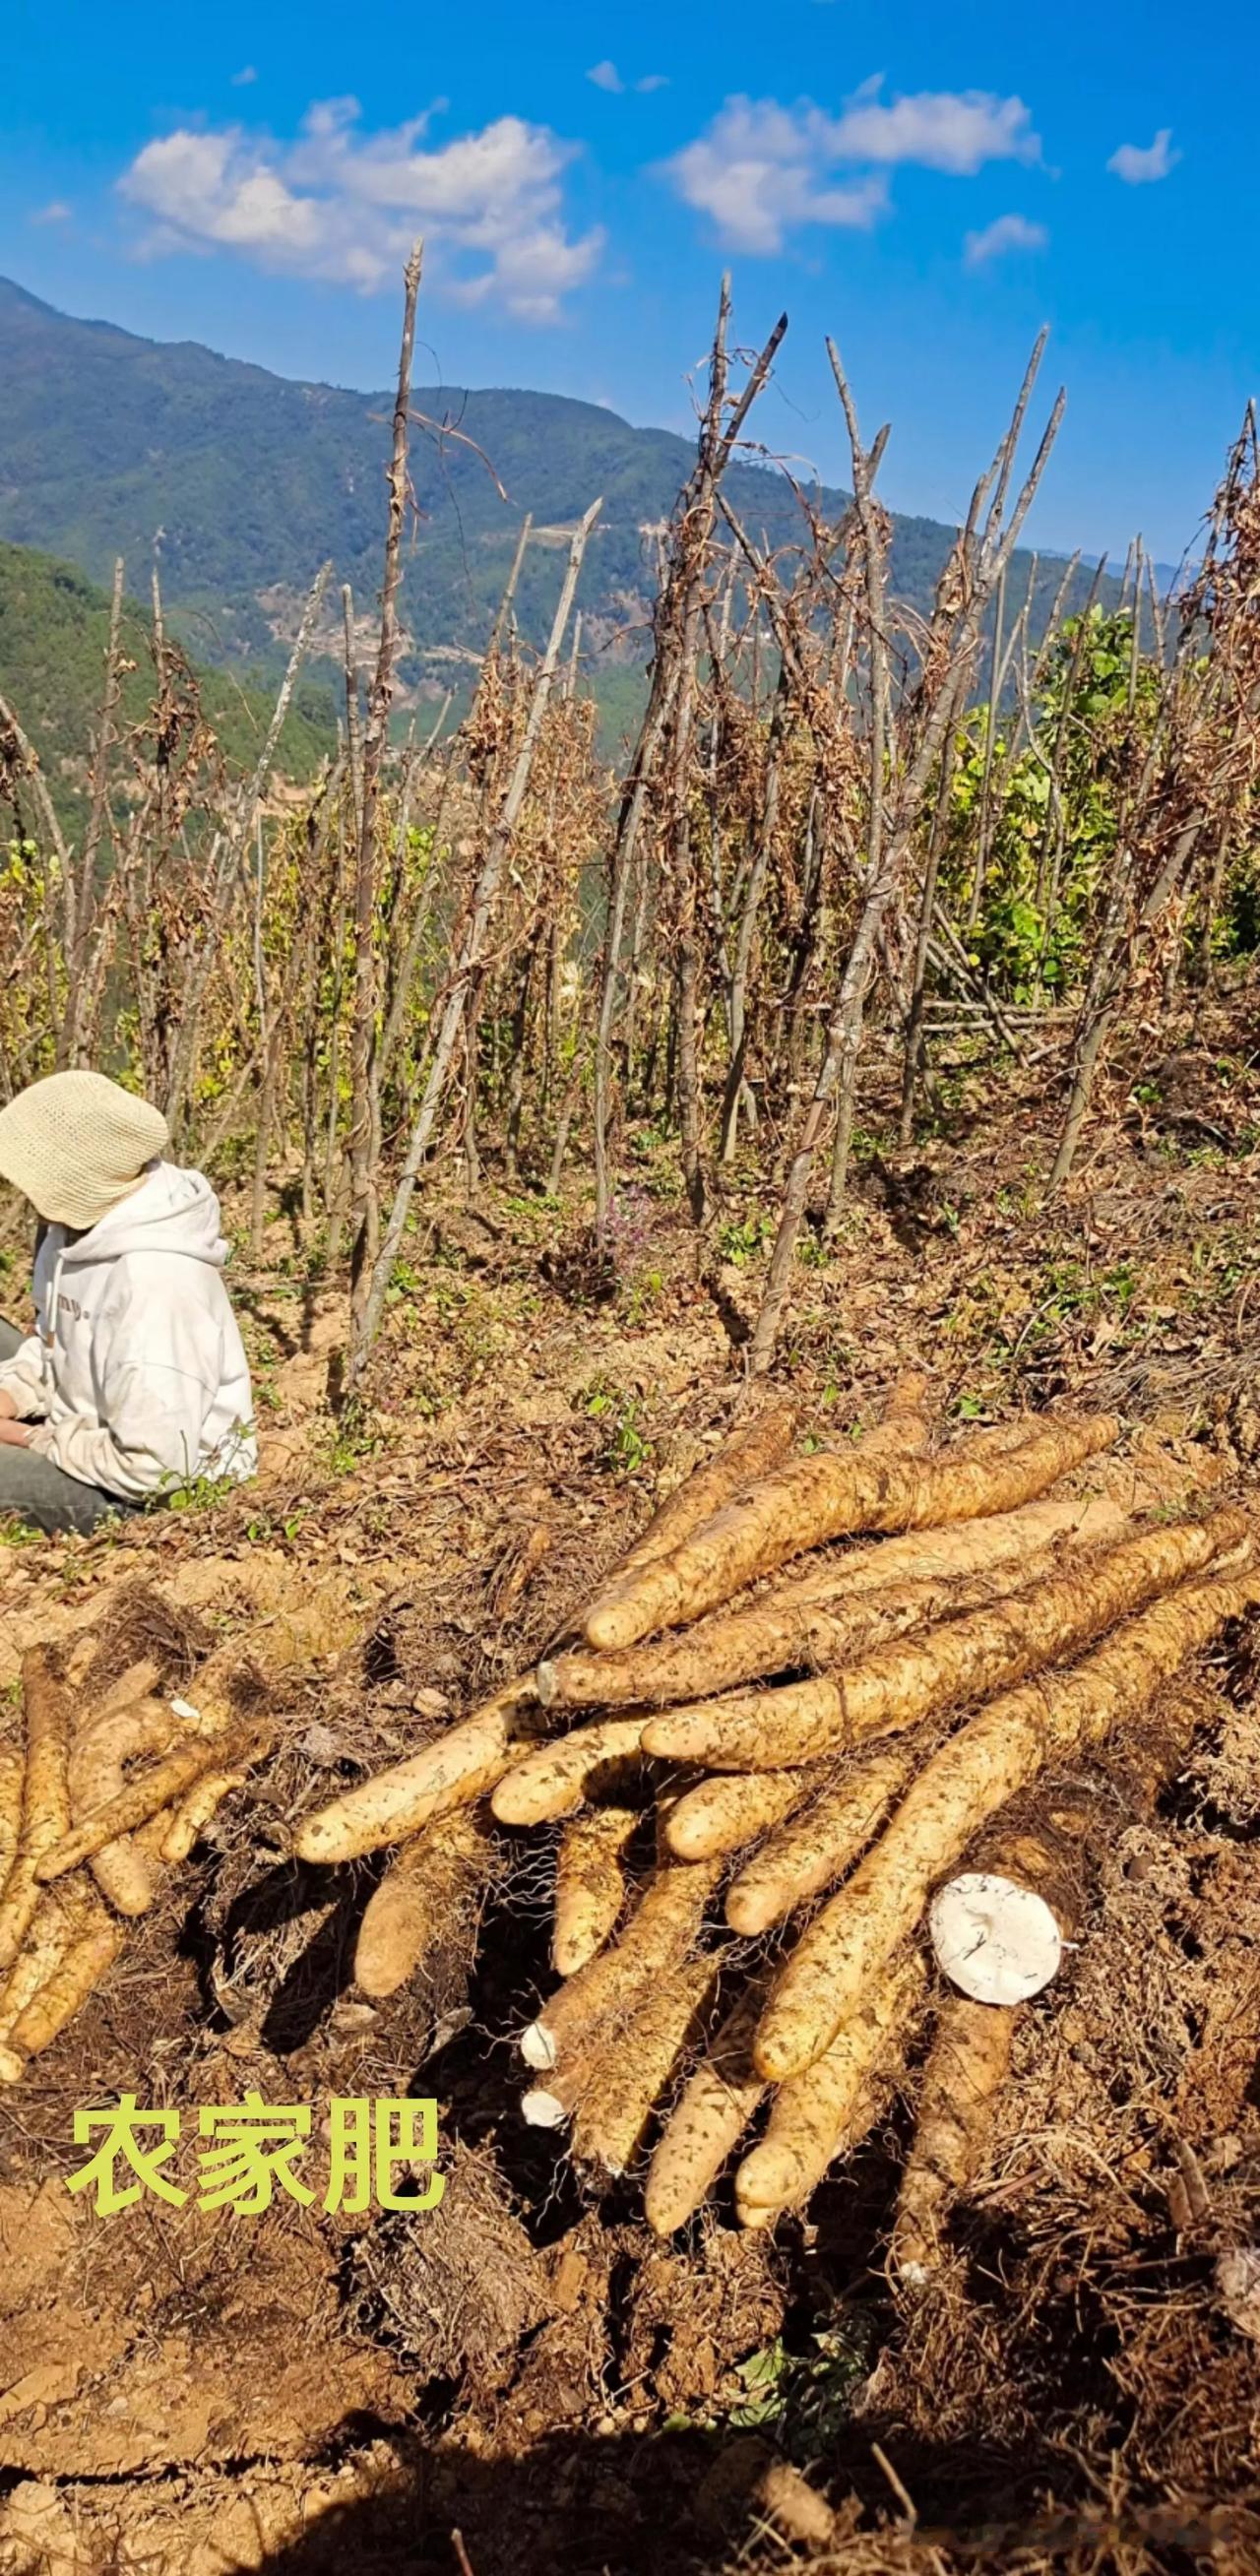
522,2380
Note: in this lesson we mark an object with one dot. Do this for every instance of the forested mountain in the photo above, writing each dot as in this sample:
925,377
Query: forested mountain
54,630
243,482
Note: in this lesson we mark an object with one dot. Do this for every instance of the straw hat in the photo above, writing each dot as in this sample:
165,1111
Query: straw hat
76,1144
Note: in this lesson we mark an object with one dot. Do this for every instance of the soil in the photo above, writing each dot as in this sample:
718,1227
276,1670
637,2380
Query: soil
522,2378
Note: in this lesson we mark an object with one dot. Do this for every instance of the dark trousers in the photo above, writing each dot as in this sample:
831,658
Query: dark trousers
36,1490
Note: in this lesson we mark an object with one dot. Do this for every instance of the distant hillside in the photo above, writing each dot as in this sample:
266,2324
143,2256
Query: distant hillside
244,482
54,628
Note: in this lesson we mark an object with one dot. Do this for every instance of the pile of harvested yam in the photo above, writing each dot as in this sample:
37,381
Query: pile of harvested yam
760,1788
84,1843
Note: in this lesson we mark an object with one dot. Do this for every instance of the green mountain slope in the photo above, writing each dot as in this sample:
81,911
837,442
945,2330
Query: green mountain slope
244,482
54,629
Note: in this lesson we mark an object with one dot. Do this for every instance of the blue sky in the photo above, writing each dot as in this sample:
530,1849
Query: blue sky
929,186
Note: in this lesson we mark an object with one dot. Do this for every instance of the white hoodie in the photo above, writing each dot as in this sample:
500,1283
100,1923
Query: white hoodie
135,1375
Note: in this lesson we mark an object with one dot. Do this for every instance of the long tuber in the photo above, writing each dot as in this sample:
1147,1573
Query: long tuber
460,1766
740,1458
719,1815
708,2120
151,1791
825,1496
614,2109
812,2119
12,1766
554,1780
83,1963
822,1617
961,1659
656,1939
123,1873
590,1885
431,1885
813,1849
45,1798
843,1952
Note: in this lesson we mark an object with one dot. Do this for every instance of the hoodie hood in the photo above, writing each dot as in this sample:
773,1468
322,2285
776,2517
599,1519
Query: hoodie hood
173,1211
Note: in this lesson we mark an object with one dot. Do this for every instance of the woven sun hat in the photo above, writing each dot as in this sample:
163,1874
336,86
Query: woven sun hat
76,1145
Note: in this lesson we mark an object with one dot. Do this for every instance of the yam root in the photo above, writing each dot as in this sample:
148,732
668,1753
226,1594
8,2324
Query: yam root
194,1811
590,1885
146,1796
549,2105
746,1453
123,1873
11,1770
820,1619
141,1680
845,1950
967,2065
79,1971
707,2121
45,1798
826,1496
56,1922
815,1848
970,2057
430,1883
557,1778
451,1772
615,2108
962,1659
815,2117
656,1940
719,1815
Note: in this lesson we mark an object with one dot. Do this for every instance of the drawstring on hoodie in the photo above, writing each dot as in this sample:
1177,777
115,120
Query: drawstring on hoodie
48,1339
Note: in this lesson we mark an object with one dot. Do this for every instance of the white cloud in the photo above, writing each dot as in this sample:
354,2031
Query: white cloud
1137,165
606,76
1005,233
245,77
58,211
762,170
343,204
957,131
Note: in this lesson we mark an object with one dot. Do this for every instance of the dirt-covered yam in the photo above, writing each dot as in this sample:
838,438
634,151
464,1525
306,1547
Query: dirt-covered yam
614,2111
451,1772
815,1848
45,1813
123,1733
657,1938
714,2108
961,1659
590,1884
431,1886
826,1496
816,2117
555,1780
846,1948
855,1600
721,1815
967,2065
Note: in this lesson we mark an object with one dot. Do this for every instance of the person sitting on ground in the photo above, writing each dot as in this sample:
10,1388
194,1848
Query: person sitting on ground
134,1382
